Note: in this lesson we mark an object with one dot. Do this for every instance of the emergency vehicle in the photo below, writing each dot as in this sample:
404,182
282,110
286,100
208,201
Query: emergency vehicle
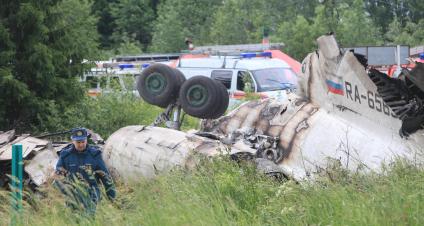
255,72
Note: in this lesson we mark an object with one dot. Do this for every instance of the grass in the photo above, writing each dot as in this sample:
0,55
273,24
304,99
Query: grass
220,192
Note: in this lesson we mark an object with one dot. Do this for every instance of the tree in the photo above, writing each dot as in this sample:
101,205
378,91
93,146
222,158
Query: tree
355,27
243,21
128,47
102,9
232,24
412,34
133,20
179,19
169,32
298,36
384,12
380,12
45,43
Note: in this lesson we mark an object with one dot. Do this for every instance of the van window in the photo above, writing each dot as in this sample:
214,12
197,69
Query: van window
245,82
223,76
271,79
92,82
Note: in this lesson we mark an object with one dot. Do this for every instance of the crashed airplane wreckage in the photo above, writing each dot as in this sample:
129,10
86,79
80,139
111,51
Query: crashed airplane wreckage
341,112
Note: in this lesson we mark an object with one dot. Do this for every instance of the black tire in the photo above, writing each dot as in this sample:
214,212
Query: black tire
159,85
199,97
223,101
179,75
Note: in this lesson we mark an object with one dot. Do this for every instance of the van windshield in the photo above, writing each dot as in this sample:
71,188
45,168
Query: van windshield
271,79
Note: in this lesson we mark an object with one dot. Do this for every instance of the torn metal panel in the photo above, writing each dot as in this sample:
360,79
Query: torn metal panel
131,152
41,167
31,147
6,137
143,151
40,157
29,144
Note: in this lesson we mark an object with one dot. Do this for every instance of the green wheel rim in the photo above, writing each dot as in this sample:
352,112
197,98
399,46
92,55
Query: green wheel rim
197,95
155,83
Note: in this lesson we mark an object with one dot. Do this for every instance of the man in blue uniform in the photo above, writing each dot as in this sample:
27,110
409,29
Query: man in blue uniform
83,168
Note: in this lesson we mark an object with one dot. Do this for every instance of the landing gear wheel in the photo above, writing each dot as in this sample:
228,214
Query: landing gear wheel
180,76
223,100
159,84
199,97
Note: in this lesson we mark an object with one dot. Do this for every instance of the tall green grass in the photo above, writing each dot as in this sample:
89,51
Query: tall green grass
220,192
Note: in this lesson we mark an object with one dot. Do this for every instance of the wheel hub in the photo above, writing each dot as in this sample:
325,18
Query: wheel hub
197,95
156,83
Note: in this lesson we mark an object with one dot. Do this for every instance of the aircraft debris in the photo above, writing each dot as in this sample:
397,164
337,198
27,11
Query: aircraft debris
340,113
40,156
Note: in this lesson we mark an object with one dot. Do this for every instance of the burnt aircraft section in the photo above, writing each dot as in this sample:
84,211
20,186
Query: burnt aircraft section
341,112
404,95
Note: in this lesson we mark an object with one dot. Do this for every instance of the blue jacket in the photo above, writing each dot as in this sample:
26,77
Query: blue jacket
87,165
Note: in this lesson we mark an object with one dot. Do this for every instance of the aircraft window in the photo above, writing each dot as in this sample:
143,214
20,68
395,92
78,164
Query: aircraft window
245,82
223,76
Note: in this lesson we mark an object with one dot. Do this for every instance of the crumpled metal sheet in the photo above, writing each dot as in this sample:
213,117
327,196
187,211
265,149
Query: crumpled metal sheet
6,137
29,144
41,167
40,156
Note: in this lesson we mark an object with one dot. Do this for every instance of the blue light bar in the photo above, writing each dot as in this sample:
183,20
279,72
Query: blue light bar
252,55
122,66
248,55
266,54
145,65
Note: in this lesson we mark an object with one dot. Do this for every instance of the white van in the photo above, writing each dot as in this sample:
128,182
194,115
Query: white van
253,72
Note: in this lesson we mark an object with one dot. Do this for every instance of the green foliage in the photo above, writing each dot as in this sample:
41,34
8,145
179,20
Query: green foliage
169,32
298,36
179,19
412,33
105,114
385,13
238,21
128,47
220,192
242,21
102,9
360,22
44,45
133,19
350,22
355,27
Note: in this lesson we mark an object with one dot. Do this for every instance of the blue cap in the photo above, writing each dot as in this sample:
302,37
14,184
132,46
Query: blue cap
422,56
79,134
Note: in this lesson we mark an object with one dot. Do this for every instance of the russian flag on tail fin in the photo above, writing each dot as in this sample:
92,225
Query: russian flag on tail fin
335,87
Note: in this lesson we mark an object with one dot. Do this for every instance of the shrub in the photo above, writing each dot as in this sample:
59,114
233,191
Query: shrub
105,114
